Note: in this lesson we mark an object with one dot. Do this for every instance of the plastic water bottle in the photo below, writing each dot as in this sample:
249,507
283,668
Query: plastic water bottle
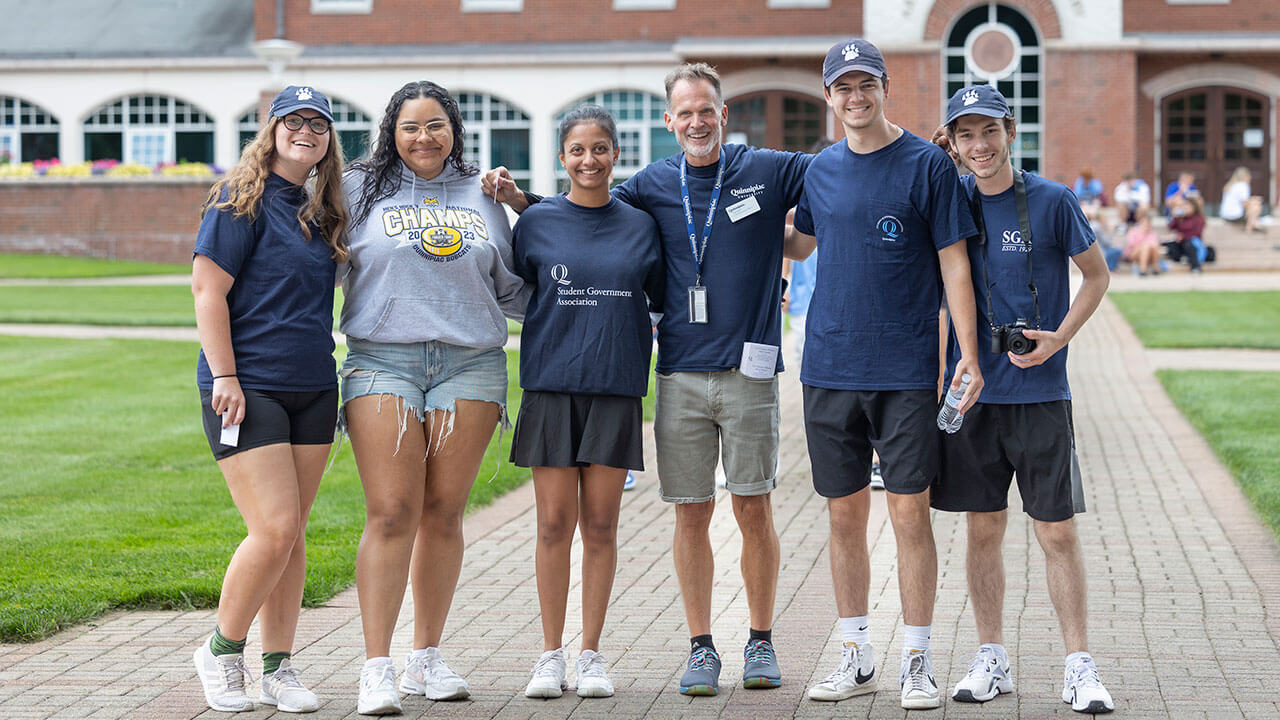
950,417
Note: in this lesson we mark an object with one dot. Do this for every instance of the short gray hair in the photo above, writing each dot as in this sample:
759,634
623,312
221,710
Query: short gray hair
693,72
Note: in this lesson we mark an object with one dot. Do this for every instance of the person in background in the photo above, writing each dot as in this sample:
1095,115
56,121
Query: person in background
262,277
1239,204
1090,192
1133,197
1177,192
1142,246
1188,224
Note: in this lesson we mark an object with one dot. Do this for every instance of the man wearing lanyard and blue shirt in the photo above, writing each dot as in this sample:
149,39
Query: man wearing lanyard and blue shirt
1031,227
890,222
721,211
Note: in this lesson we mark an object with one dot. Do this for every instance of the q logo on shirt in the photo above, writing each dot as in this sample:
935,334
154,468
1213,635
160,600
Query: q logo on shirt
890,227
560,274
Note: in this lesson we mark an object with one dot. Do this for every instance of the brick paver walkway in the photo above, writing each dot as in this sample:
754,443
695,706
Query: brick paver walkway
1182,579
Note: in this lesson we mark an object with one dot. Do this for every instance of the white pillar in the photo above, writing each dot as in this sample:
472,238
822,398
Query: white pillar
542,156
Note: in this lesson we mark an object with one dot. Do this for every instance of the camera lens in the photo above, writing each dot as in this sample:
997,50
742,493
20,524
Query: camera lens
1020,344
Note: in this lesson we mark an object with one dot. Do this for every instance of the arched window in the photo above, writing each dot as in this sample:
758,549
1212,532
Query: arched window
27,132
642,133
777,119
149,130
497,133
998,45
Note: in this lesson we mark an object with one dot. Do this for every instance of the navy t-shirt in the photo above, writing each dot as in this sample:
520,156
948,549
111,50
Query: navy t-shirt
742,267
281,302
1058,231
880,219
587,329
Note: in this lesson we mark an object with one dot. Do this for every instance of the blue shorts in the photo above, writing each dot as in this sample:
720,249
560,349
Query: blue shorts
425,376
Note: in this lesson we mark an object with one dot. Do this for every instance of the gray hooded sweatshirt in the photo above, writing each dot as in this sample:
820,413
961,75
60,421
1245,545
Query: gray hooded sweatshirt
430,262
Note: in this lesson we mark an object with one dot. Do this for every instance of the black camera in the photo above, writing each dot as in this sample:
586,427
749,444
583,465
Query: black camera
1009,338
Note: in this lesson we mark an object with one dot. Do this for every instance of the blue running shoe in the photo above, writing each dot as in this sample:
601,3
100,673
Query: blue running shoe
760,666
703,675
630,482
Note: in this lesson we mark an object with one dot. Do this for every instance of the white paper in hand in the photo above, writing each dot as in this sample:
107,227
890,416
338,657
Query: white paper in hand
230,436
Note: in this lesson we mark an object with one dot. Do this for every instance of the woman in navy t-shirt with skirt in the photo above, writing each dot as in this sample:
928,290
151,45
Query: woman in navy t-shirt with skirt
263,276
584,366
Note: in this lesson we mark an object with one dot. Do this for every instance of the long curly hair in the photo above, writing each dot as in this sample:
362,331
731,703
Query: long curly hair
381,172
326,205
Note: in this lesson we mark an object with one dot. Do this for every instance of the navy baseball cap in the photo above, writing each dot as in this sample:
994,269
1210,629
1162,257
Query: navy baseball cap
977,100
855,54
297,97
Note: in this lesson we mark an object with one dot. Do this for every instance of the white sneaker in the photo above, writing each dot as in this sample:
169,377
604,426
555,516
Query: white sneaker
426,673
1083,689
919,691
988,677
877,478
855,676
282,689
223,678
548,676
378,694
592,679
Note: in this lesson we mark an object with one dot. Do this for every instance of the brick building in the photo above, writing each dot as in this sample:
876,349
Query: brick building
1157,86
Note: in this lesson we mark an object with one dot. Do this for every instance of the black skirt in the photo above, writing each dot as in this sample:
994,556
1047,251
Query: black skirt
570,430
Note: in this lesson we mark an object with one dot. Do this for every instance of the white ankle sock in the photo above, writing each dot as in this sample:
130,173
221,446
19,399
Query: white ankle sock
855,630
915,637
377,662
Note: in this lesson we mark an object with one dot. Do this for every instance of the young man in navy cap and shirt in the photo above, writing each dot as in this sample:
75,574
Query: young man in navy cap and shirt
1030,228
890,221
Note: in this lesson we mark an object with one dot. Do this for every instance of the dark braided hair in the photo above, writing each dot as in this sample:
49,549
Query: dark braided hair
381,171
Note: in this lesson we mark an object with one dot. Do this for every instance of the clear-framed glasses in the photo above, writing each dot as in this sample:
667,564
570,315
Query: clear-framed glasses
318,125
437,129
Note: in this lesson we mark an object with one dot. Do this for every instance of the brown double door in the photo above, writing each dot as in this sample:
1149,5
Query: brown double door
779,120
1210,131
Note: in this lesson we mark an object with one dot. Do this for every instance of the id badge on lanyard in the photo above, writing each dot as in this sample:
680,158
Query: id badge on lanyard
698,292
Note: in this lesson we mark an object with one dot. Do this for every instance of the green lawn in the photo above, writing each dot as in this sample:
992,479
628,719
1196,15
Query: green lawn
1246,319
16,265
1238,413
111,498
139,305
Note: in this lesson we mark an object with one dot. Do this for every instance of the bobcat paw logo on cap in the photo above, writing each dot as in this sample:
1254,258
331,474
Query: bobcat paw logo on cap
970,97
304,93
850,52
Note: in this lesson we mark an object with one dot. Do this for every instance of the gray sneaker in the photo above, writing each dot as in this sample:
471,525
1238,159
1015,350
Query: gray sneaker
760,666
703,674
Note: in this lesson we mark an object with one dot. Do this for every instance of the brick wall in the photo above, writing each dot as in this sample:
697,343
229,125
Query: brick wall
1090,115
1243,16
154,220
408,22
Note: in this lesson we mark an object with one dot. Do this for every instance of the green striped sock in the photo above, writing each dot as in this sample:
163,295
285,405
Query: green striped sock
271,661
220,645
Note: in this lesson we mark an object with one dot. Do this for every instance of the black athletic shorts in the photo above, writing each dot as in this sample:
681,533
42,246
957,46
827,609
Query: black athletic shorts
843,426
275,416
1035,441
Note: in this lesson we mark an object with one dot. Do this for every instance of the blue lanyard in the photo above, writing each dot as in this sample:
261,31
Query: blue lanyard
711,213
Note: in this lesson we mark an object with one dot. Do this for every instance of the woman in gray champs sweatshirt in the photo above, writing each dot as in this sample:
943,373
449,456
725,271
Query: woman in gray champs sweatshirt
424,382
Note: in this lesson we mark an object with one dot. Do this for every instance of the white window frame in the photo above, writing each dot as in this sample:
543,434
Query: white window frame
478,145
341,7
11,143
169,126
495,6
133,135
789,4
626,5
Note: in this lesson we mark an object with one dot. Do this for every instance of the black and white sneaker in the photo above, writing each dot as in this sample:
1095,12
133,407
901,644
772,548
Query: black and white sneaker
989,675
1083,689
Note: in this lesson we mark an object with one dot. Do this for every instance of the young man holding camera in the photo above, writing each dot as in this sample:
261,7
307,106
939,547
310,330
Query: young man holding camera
1028,229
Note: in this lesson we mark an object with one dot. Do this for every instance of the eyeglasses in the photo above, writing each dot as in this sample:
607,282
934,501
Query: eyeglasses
437,129
318,125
